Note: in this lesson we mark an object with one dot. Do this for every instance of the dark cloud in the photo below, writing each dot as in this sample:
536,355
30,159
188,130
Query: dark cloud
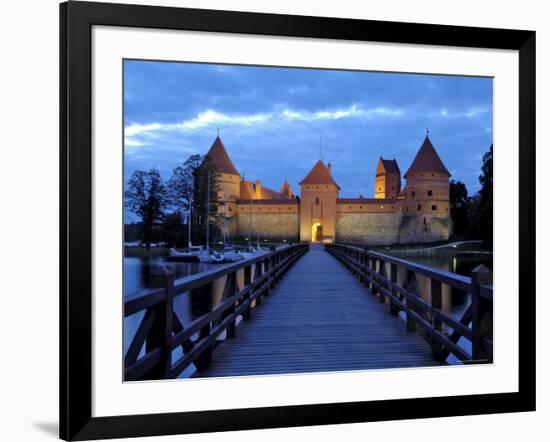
271,119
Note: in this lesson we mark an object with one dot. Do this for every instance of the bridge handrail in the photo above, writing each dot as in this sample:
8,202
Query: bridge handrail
161,331
476,323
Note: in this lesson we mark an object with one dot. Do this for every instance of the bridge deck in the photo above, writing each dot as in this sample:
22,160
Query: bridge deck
319,318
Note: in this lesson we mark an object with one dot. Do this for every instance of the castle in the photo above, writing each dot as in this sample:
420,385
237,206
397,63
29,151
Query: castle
418,212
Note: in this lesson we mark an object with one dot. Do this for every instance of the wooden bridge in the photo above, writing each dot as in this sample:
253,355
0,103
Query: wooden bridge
337,308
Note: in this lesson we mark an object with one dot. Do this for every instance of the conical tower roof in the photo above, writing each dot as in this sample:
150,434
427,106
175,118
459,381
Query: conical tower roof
319,175
286,189
427,160
220,158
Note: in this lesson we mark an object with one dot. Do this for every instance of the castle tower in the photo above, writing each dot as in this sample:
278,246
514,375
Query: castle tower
227,175
387,183
318,194
286,190
427,196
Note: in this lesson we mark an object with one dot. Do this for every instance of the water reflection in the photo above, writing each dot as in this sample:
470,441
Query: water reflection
454,301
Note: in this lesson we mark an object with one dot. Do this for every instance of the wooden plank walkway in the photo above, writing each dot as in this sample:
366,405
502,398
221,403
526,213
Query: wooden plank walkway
319,318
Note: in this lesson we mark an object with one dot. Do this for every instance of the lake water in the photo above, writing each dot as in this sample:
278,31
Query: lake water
454,301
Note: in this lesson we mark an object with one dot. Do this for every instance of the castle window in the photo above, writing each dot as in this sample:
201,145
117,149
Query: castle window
430,193
326,187
360,207
317,201
413,193
289,208
419,207
279,208
317,187
379,189
393,188
424,221
349,207
434,207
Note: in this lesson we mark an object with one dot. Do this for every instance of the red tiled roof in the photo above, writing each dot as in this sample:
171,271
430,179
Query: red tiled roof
282,201
389,166
248,191
286,189
319,175
271,194
365,201
220,159
427,160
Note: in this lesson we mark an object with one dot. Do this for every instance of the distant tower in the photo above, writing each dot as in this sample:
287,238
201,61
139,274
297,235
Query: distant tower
286,190
227,175
387,183
427,195
318,195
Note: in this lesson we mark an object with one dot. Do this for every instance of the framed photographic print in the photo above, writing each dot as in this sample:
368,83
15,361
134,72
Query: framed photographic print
272,220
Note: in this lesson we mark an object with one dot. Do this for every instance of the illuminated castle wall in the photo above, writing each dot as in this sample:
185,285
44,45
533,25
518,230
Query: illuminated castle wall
419,212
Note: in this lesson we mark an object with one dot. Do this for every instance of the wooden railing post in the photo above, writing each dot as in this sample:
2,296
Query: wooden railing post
366,269
382,272
205,359
411,326
436,302
247,279
363,275
393,278
374,272
258,273
229,290
481,327
160,335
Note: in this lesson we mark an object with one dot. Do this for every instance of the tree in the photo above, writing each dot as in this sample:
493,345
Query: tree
146,197
205,215
181,185
173,229
482,213
460,204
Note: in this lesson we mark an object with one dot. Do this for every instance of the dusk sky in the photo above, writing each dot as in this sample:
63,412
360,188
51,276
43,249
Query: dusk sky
270,120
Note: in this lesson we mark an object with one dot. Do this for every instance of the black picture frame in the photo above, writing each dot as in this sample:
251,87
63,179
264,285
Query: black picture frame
76,21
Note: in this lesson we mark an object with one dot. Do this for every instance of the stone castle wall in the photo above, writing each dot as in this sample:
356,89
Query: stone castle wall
412,229
269,225
367,228
360,228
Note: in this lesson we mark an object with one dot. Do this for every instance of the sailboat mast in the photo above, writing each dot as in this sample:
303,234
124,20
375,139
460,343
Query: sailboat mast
208,213
189,223
224,214
250,223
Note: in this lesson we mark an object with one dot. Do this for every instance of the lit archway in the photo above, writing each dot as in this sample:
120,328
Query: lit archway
316,232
